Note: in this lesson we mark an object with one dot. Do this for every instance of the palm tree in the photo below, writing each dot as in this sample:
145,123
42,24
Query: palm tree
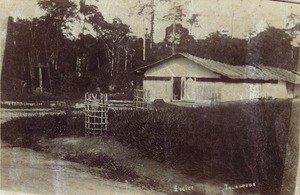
193,20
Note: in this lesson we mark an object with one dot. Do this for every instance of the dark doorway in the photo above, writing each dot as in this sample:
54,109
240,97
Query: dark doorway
177,88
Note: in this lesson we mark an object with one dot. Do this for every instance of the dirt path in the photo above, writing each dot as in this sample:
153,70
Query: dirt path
168,179
27,171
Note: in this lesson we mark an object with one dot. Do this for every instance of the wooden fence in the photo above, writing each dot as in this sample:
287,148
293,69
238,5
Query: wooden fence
141,99
96,113
120,104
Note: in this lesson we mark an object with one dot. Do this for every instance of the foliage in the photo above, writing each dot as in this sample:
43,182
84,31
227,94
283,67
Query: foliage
26,131
239,143
193,20
182,39
114,52
175,13
223,48
48,40
271,48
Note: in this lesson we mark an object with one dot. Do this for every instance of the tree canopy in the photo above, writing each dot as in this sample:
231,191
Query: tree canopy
271,47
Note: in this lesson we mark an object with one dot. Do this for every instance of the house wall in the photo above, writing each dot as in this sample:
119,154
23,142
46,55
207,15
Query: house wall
240,91
180,67
228,91
159,89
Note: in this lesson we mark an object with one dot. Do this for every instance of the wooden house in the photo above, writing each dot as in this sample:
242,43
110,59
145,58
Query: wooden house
186,78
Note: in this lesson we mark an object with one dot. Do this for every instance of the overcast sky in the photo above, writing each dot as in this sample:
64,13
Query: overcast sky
237,17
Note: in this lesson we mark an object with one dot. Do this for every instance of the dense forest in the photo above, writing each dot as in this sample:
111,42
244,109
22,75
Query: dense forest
106,58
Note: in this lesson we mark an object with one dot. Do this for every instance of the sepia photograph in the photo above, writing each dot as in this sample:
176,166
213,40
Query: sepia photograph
150,97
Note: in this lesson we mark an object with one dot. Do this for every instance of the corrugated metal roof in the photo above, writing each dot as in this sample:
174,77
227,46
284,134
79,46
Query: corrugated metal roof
235,72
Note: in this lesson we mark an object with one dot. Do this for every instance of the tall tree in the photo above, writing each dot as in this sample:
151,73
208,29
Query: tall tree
88,12
193,20
148,8
176,15
60,13
271,47
113,36
224,48
92,16
181,39
293,23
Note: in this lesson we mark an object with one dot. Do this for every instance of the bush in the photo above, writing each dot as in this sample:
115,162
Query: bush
27,131
241,142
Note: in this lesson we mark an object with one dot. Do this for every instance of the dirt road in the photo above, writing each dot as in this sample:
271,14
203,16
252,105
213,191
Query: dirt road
26,171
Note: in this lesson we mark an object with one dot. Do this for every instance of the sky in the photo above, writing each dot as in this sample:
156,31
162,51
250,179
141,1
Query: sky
236,17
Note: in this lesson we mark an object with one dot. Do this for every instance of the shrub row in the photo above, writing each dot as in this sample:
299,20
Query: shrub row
235,144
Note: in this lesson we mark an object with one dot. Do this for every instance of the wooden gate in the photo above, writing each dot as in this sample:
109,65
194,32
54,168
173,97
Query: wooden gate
96,113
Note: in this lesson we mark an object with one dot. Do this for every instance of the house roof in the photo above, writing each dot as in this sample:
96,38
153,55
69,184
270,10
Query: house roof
259,72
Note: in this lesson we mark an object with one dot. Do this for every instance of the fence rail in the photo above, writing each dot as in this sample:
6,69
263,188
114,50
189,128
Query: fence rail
120,104
96,113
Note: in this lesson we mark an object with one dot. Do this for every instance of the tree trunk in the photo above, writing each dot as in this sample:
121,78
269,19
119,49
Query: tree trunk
118,57
111,58
24,66
47,62
40,78
152,25
98,64
31,70
86,64
144,48
112,61
131,57
56,59
126,59
31,59
174,31
78,66
48,72
191,29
